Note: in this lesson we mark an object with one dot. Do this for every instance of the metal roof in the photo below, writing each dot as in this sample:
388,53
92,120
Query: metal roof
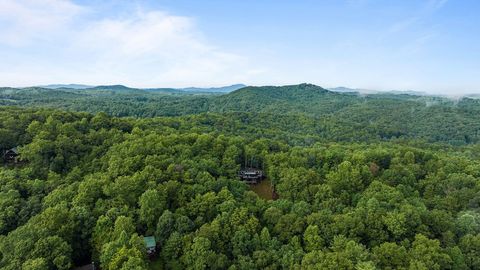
149,241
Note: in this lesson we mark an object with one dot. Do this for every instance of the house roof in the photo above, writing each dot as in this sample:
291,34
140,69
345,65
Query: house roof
149,241
14,150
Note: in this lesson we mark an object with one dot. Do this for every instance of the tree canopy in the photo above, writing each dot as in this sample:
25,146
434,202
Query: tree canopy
360,186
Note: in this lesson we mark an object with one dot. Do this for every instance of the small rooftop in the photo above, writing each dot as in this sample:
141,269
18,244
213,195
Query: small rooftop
149,241
14,150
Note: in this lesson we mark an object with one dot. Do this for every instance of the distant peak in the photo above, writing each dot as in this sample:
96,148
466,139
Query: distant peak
116,86
70,86
308,85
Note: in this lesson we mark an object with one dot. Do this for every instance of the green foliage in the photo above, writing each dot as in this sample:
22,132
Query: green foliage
305,113
89,187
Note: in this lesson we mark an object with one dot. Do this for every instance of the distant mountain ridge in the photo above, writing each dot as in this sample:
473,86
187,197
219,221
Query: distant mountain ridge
326,112
342,89
123,88
234,87
70,86
301,98
222,89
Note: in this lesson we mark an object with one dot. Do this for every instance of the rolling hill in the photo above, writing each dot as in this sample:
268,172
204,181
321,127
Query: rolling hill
328,114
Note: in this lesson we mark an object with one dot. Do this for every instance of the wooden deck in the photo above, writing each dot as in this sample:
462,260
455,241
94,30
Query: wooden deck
251,175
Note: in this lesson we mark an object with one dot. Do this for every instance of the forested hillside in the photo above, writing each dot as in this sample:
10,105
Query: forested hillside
89,186
305,109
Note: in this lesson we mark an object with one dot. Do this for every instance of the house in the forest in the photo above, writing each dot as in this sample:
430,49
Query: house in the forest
11,155
150,244
251,175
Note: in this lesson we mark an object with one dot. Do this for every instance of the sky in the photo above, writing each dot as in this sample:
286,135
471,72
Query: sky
423,45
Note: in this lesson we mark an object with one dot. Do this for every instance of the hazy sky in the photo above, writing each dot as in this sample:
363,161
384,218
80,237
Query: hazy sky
431,45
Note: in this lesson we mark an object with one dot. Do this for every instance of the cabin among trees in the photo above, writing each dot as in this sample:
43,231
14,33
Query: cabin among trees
11,155
151,245
251,175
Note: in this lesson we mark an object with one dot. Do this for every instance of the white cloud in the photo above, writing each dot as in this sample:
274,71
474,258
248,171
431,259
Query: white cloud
145,49
155,47
25,21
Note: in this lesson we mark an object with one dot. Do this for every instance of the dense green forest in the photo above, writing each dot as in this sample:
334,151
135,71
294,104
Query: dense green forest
308,109
363,181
